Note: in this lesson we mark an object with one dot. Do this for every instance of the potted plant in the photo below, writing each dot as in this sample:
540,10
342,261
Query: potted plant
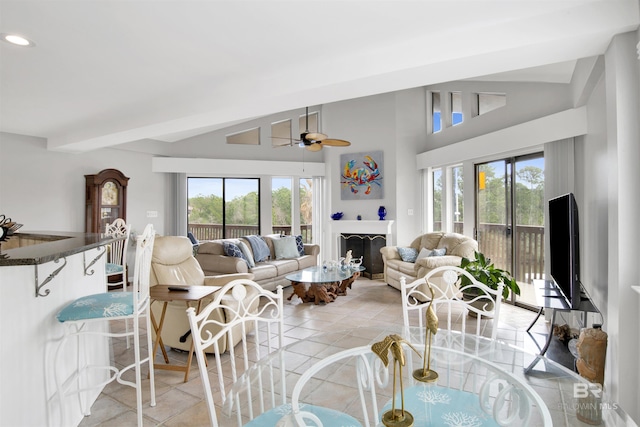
485,272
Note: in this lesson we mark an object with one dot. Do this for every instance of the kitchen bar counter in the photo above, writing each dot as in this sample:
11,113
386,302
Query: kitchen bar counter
41,272
39,247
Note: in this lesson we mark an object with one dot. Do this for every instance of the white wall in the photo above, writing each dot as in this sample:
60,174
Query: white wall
623,201
410,136
45,190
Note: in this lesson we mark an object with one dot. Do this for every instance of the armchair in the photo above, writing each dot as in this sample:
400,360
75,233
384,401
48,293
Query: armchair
455,247
173,263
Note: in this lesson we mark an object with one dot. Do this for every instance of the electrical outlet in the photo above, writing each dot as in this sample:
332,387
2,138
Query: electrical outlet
152,214
410,212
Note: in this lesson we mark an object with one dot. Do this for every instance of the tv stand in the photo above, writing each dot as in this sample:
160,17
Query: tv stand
548,296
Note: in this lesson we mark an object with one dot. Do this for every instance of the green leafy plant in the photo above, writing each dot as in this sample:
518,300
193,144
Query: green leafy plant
485,272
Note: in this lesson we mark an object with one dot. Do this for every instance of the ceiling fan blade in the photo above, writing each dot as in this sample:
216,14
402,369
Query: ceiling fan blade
336,142
316,136
314,147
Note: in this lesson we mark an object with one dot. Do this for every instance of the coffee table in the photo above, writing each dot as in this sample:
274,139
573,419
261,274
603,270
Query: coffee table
321,284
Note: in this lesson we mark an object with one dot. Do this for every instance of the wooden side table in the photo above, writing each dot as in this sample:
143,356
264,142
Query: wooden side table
162,293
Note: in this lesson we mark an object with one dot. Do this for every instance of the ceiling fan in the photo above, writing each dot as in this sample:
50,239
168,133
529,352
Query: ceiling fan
313,141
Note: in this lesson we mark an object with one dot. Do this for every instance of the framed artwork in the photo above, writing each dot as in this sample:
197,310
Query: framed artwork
361,176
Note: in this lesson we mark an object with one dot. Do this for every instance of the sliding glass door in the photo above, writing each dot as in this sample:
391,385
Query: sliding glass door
510,218
223,207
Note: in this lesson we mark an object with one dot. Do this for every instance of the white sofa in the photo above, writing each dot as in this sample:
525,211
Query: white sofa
269,273
456,246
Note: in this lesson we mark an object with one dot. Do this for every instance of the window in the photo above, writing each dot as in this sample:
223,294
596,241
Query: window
246,137
313,122
220,208
281,133
437,199
281,205
306,209
456,108
457,199
446,199
490,101
436,118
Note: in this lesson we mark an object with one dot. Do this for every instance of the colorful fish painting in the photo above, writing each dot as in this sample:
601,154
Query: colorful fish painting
362,179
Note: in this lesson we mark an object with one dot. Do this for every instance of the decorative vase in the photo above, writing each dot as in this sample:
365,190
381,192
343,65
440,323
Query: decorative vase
382,212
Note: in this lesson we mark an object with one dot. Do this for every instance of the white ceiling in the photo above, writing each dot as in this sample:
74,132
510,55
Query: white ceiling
107,72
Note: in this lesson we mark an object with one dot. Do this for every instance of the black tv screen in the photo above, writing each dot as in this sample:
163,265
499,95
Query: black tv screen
565,247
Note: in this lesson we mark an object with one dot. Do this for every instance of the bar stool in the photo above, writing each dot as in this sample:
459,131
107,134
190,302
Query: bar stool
116,266
79,315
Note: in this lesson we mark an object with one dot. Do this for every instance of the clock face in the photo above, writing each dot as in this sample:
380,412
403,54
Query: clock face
109,193
3,233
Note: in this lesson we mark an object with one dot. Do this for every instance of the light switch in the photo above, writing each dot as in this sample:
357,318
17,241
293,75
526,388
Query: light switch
410,212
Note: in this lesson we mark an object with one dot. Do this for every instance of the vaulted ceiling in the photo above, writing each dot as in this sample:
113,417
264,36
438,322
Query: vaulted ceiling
104,72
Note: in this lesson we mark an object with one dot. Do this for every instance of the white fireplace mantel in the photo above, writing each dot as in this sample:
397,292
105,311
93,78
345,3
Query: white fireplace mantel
338,227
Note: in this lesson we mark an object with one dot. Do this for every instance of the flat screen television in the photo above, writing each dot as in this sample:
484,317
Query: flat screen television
565,247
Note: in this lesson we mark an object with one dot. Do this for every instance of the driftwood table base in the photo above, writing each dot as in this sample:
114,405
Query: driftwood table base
322,292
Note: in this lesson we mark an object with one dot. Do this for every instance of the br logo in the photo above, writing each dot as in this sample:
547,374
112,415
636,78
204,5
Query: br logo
582,390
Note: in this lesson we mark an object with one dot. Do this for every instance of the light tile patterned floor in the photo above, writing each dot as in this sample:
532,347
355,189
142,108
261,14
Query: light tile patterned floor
368,303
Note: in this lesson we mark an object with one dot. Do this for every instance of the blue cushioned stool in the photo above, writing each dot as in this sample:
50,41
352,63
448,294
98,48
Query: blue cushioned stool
80,314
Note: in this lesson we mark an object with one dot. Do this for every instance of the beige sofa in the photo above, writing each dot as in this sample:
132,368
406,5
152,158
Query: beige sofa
269,273
173,264
456,246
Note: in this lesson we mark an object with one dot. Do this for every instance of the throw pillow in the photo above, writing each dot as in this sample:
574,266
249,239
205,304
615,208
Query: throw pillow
285,247
231,249
300,245
247,253
438,252
424,252
408,254
259,247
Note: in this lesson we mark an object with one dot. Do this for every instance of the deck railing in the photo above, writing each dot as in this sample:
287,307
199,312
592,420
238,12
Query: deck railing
494,243
204,232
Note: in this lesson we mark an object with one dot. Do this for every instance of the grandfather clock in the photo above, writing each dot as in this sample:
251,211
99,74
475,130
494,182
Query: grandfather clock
106,199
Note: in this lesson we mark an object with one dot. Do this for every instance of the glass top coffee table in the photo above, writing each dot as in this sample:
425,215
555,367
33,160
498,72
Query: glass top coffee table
317,284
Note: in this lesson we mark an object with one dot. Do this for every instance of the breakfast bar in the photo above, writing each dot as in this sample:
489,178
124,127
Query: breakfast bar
41,272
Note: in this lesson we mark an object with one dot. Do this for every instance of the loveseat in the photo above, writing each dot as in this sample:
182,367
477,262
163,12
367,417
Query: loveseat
275,259
425,253
173,263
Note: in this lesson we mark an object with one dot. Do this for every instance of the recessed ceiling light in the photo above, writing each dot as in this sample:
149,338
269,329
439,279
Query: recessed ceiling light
17,40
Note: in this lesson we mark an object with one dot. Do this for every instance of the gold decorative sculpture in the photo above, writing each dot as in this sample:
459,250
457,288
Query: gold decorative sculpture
426,374
394,418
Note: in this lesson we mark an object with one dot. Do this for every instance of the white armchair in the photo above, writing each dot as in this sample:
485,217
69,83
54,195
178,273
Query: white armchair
455,247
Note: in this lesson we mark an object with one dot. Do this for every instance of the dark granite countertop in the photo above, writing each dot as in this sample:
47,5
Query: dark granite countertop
57,244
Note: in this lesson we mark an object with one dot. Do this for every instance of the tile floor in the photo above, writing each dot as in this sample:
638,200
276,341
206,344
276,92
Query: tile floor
368,303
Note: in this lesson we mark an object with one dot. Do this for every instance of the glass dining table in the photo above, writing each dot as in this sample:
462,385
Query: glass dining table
480,382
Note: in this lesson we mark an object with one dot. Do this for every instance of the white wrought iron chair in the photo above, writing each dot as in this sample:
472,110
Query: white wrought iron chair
80,317
358,367
442,290
116,266
484,303
257,317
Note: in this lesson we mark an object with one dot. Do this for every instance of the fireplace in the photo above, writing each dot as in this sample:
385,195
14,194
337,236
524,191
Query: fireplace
368,247
364,238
